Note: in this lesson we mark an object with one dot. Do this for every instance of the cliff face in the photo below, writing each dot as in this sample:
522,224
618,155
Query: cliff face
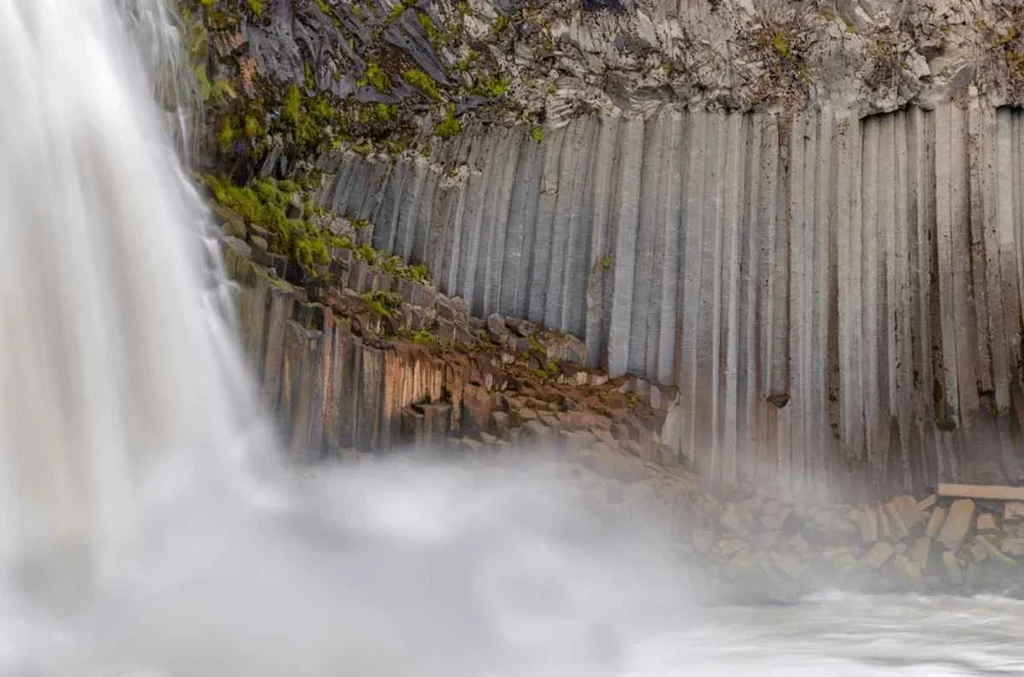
804,217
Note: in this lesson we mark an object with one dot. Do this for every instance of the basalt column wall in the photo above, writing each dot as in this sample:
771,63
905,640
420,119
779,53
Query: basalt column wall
836,301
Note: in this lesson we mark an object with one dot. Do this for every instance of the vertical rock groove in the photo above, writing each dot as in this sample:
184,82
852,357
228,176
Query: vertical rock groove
837,300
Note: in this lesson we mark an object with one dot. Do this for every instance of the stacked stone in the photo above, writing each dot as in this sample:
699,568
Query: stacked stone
937,544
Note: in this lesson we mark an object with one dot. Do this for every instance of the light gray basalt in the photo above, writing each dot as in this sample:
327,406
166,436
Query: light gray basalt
833,296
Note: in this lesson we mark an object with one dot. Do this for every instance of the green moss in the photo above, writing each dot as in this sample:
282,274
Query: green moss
537,134
607,262
375,77
228,134
780,41
450,126
291,110
384,303
264,203
491,87
398,10
435,36
360,224
253,127
419,273
366,253
500,24
464,63
423,336
423,82
256,7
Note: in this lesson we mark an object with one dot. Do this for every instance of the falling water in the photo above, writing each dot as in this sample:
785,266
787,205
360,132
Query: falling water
115,351
136,536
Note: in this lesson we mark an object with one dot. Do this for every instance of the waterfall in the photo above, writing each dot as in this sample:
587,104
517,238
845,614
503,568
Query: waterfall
116,351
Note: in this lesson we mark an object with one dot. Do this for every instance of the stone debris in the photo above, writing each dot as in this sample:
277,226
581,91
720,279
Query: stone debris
986,524
958,524
935,523
879,554
1013,511
934,544
981,492
920,551
867,521
952,567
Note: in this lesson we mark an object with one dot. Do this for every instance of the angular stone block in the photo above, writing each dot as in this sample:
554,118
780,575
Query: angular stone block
958,524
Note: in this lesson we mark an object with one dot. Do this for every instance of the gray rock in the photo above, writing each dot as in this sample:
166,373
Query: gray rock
958,524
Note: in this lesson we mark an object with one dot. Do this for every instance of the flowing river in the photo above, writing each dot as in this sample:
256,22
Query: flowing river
146,528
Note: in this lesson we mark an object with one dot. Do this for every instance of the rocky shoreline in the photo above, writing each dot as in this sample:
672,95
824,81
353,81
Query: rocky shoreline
940,544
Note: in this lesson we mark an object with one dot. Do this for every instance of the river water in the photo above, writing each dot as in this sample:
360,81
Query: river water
147,529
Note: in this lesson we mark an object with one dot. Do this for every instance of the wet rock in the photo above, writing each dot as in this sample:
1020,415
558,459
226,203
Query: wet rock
991,546
954,573
987,524
909,572
740,566
909,511
867,522
737,521
500,423
958,524
790,566
920,551
1013,511
896,526
878,555
1014,547
936,522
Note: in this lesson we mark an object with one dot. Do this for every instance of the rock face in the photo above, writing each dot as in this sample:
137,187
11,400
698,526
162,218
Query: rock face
765,546
365,361
784,272
803,221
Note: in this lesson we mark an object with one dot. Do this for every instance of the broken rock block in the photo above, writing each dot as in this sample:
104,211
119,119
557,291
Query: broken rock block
790,566
936,522
1013,511
958,524
909,511
496,329
898,529
522,328
909,572
953,571
878,555
567,348
737,521
867,522
986,524
919,552
991,546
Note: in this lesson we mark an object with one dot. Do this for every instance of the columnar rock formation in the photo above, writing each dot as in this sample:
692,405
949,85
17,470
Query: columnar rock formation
830,295
801,220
